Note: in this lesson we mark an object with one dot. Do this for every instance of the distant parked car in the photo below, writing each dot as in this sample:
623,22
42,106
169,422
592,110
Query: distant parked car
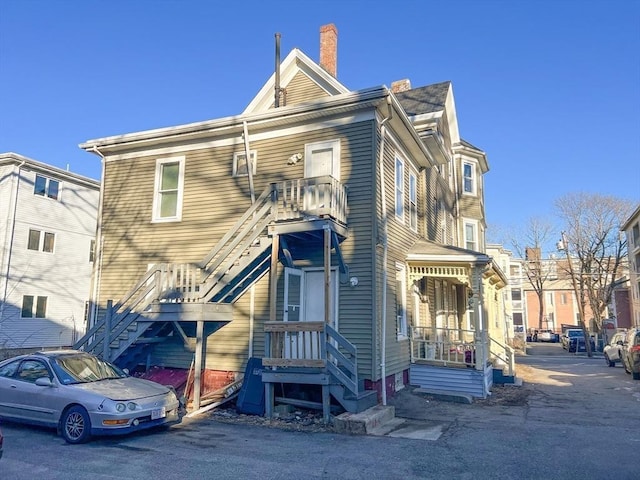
545,336
569,334
573,341
631,353
81,395
614,350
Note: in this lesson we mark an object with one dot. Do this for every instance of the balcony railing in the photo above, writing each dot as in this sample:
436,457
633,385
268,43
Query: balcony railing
444,346
311,197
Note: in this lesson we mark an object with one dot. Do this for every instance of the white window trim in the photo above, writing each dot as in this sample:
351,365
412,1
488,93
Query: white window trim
474,178
413,202
401,191
41,240
46,187
334,145
254,161
476,231
401,320
156,197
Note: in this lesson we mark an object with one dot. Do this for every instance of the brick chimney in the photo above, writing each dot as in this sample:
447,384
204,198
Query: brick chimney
329,48
400,86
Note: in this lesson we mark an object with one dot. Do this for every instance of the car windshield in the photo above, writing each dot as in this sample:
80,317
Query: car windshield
575,333
84,368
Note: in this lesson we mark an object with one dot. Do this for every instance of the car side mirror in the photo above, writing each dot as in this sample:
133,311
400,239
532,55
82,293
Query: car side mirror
44,382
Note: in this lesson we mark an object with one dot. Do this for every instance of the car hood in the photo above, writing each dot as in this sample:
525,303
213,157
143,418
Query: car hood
129,388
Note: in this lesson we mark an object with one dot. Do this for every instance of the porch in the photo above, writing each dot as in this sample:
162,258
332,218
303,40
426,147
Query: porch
313,353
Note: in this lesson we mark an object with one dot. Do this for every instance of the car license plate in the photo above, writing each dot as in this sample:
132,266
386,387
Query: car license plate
158,413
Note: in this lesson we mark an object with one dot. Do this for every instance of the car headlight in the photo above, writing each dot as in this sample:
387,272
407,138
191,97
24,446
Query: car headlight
132,405
121,407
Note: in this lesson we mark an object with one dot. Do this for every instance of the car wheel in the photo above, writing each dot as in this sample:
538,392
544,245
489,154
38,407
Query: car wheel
75,425
609,362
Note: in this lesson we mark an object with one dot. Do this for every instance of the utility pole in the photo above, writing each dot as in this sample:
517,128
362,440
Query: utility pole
564,245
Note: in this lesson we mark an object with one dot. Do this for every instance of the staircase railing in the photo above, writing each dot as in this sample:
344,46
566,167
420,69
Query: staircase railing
505,354
176,283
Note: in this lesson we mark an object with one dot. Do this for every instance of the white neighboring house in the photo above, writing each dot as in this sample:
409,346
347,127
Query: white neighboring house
47,233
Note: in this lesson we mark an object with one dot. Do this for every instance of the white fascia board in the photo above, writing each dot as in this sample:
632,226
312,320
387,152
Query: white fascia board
407,133
452,258
228,125
426,119
239,140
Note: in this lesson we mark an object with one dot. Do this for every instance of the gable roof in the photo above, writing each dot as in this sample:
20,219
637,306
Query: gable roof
295,62
427,99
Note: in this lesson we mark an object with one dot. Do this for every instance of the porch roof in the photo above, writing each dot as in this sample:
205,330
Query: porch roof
428,251
450,261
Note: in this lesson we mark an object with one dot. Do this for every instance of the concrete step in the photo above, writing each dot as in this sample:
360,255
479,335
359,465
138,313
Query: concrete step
364,422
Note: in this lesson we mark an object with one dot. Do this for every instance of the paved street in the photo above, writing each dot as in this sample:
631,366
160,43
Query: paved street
575,418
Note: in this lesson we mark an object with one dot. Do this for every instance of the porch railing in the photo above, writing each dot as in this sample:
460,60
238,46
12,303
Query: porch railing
443,346
311,345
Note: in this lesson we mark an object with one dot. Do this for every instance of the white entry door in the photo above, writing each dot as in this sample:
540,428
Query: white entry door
304,301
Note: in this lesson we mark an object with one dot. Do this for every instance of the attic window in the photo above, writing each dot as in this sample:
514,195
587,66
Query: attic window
240,163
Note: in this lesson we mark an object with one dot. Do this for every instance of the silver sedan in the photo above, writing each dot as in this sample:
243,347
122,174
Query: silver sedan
81,395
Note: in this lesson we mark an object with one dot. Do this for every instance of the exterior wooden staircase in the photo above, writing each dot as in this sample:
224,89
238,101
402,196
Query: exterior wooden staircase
169,298
168,295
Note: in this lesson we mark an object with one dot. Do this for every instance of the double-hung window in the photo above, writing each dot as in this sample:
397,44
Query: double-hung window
469,178
471,235
41,241
28,304
46,187
168,190
399,180
413,201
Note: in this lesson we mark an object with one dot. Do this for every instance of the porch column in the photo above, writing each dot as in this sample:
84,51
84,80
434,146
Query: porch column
199,364
327,274
479,318
273,277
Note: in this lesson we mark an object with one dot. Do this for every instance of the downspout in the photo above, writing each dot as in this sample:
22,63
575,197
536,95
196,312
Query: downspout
97,266
11,237
247,154
383,341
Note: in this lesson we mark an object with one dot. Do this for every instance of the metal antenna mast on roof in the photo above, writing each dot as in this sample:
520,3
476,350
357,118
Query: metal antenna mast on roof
278,90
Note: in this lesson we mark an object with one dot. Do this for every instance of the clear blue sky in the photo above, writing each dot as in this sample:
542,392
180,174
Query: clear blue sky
549,89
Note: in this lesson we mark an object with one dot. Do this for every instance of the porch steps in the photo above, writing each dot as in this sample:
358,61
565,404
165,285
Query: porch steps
354,403
365,422
500,378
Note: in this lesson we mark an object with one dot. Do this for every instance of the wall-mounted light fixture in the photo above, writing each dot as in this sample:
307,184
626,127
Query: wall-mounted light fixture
295,158
353,281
